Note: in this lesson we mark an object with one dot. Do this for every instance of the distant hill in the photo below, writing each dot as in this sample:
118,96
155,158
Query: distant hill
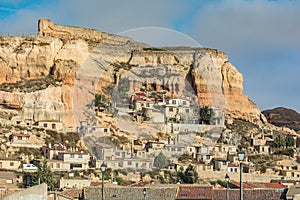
283,117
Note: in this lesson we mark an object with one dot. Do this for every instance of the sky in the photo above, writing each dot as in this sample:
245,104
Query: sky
261,37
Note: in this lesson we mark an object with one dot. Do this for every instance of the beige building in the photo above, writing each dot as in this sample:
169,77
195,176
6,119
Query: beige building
59,165
51,151
9,163
8,179
50,124
78,160
136,163
105,151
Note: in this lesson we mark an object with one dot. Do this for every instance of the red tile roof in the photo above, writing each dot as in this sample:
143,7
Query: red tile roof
21,135
195,192
232,165
71,193
140,94
259,185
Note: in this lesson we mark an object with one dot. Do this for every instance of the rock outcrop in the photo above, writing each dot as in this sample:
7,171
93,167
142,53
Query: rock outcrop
88,61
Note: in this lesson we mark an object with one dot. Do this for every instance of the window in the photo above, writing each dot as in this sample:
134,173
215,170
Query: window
45,125
187,110
201,195
11,164
235,170
207,157
105,130
53,126
129,163
202,188
174,102
184,102
183,195
136,165
224,163
57,165
147,105
72,156
171,109
79,155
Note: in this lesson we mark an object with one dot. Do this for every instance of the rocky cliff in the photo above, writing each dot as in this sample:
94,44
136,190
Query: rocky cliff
81,62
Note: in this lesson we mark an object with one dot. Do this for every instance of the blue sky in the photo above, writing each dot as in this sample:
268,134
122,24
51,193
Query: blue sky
262,38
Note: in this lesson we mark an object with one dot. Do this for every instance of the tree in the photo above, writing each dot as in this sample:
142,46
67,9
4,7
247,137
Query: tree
161,161
206,114
44,174
189,176
279,141
290,141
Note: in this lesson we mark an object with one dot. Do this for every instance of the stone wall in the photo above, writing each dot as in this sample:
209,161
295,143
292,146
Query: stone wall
38,192
249,194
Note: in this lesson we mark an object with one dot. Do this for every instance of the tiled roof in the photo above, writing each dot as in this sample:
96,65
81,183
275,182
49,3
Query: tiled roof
70,193
139,184
5,175
195,192
21,135
10,159
260,185
232,165
96,184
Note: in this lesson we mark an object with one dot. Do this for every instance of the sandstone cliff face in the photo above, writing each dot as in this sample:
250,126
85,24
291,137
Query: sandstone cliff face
85,65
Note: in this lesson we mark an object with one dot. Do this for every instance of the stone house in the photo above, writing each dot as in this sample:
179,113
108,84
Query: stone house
225,148
50,124
293,192
8,179
59,165
203,153
19,137
176,150
9,163
233,168
22,122
151,146
220,164
136,163
51,151
204,167
122,154
93,129
286,164
78,160
73,183
290,173
105,151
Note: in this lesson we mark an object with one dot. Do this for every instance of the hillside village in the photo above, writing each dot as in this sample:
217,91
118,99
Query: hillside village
183,142
153,138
